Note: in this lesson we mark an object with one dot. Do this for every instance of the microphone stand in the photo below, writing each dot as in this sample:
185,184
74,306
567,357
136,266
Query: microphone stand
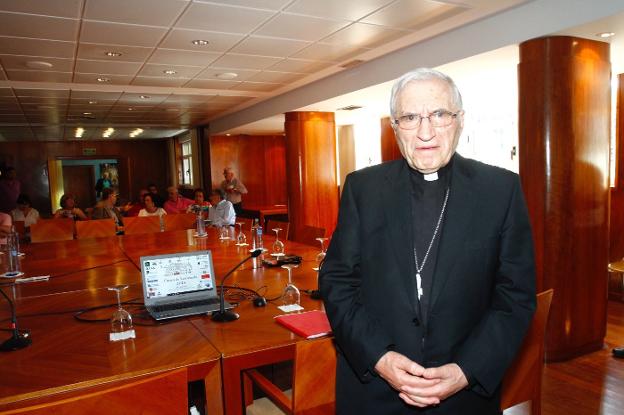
17,340
223,315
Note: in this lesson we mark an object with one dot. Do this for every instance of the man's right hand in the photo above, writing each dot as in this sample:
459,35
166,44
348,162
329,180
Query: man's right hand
400,372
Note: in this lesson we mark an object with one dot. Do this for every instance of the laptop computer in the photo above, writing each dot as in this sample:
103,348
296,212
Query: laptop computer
180,284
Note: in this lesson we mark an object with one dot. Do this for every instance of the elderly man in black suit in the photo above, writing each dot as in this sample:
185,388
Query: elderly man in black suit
429,284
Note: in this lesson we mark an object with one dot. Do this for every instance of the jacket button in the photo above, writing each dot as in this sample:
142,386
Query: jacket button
416,321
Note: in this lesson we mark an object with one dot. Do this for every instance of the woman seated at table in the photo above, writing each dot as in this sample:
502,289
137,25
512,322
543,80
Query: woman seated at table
69,209
199,203
222,211
150,208
25,212
106,208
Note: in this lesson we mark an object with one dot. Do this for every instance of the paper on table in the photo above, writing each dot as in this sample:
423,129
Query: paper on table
290,308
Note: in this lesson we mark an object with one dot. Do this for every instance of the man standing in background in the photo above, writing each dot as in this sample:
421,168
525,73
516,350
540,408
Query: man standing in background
234,189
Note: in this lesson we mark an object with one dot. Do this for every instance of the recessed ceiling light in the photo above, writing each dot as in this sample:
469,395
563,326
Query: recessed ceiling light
108,132
136,132
79,132
38,65
113,54
200,42
169,72
87,113
130,109
605,35
92,102
103,79
226,75
145,97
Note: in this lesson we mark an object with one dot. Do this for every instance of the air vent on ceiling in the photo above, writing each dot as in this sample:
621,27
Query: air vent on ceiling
351,64
349,108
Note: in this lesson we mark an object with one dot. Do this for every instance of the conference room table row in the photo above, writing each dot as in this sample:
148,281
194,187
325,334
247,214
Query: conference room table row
68,319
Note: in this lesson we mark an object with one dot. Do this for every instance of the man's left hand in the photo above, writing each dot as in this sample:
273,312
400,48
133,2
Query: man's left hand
451,380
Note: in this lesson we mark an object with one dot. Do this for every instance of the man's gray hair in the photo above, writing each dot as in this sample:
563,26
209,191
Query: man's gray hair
423,74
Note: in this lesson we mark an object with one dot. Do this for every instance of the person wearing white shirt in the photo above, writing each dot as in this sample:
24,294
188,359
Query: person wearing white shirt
25,212
150,207
222,211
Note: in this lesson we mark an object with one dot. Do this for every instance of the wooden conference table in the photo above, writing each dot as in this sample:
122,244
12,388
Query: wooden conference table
69,355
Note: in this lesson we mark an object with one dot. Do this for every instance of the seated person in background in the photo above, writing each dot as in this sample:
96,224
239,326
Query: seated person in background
200,203
24,212
69,209
106,208
176,203
156,197
150,207
222,212
133,209
5,226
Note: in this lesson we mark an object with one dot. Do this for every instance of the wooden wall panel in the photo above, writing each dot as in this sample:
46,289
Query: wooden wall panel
259,161
311,167
140,161
389,147
564,90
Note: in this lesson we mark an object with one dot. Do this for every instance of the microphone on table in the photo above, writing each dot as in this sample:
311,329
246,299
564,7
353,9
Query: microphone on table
223,315
18,340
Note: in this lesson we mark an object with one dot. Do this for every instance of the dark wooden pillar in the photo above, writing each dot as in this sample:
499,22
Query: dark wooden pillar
564,99
311,171
389,147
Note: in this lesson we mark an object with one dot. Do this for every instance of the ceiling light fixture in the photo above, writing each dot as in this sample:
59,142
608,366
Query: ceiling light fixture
87,113
113,54
103,79
92,102
605,35
169,72
136,132
145,97
108,132
79,132
38,65
200,42
226,75
130,109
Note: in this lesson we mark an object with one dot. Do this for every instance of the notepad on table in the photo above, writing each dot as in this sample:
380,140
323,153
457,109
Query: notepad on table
310,324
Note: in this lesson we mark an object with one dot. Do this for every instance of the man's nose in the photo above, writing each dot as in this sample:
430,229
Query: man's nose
425,130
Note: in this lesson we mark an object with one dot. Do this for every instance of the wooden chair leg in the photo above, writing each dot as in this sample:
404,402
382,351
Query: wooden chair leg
247,390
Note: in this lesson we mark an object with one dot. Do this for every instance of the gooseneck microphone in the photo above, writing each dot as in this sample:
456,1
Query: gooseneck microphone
223,315
17,340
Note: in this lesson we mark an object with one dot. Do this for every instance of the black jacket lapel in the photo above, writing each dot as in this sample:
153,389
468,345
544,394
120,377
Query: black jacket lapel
460,211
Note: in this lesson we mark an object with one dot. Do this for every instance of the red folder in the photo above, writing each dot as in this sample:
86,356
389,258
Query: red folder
310,324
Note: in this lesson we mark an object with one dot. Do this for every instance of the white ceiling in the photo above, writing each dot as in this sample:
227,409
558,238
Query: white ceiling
52,53
287,54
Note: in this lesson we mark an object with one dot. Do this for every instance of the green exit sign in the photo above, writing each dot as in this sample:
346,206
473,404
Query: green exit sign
89,151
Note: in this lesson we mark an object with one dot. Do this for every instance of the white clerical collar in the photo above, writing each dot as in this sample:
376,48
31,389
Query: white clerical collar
431,177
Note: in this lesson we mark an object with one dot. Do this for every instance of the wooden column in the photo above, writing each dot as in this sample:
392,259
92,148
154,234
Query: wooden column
311,171
564,99
389,147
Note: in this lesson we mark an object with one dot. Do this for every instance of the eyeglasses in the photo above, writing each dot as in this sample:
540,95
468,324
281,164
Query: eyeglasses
440,118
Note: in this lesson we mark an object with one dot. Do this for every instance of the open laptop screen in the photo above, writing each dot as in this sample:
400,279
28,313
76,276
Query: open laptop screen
172,275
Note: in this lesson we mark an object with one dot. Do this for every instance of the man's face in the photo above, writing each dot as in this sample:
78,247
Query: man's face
427,148
229,175
173,194
152,189
214,199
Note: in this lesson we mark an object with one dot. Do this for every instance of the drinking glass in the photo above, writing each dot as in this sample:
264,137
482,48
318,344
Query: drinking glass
321,255
291,294
121,321
241,239
224,232
278,246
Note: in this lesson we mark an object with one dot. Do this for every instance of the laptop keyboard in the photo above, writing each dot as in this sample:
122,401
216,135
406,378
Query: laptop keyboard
188,304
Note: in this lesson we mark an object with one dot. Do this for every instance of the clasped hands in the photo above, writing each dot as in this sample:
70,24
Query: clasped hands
418,386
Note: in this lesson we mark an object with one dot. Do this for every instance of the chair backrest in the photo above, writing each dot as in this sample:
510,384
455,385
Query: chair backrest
95,228
20,227
46,230
523,380
309,234
179,221
273,224
314,380
141,224
161,394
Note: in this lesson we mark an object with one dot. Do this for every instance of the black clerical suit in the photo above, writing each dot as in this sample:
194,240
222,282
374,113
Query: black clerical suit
481,294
